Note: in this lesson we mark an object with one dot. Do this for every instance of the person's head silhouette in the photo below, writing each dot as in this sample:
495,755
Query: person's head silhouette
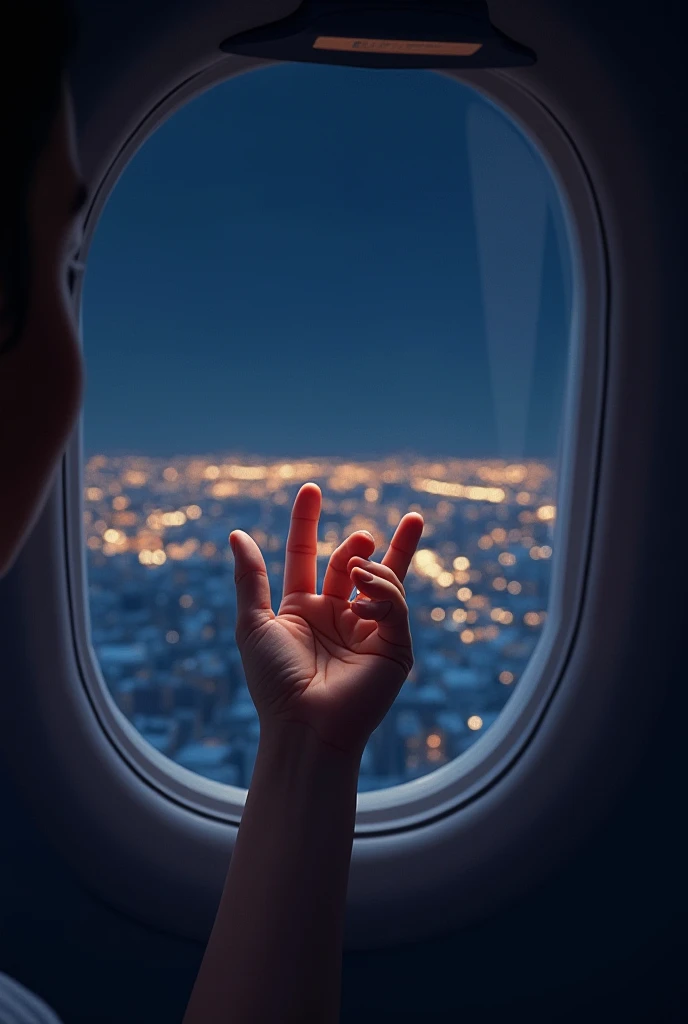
41,195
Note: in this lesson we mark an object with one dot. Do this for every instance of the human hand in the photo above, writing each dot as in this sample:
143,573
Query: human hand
323,661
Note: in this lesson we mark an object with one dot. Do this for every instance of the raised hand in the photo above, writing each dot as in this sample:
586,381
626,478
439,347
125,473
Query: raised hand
324,661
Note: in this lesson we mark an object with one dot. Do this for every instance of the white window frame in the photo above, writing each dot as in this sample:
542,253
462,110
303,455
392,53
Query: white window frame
153,838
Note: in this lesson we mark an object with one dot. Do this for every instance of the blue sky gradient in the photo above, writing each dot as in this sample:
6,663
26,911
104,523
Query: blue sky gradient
315,260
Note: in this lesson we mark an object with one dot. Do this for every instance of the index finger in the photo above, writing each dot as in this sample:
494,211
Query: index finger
300,563
403,544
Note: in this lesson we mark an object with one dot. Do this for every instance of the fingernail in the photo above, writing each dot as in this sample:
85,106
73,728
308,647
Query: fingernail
367,577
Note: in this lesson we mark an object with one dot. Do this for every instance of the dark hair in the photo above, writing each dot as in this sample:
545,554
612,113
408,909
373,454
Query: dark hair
38,37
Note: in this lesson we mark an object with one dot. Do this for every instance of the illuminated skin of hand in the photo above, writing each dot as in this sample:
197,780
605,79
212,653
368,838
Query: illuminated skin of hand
323,661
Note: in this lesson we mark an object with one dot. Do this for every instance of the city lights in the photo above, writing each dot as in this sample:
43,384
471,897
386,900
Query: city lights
163,600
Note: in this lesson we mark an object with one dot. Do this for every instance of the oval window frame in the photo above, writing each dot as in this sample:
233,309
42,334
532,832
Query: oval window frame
167,827
454,785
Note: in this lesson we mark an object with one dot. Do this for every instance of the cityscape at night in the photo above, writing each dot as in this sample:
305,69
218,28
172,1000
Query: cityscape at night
163,601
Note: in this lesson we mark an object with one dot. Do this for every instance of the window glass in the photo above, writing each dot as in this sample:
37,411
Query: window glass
355,277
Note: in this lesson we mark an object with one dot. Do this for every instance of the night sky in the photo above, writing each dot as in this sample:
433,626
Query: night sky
318,260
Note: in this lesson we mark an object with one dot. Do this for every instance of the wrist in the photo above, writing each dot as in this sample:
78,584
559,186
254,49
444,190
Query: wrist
298,749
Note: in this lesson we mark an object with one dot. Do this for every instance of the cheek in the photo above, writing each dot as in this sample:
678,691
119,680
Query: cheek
40,395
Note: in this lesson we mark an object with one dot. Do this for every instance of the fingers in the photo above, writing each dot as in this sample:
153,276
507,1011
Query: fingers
377,569
302,542
252,584
403,544
386,606
337,582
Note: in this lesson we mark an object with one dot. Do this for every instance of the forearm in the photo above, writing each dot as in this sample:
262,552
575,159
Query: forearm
274,954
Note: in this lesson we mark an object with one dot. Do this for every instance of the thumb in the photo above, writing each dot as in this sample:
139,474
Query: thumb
252,585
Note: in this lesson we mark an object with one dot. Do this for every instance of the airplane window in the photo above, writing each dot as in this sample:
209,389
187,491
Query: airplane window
355,277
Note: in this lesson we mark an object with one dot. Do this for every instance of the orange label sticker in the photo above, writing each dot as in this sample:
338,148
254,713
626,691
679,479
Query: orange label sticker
416,46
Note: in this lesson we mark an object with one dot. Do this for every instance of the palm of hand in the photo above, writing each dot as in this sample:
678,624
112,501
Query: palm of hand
319,661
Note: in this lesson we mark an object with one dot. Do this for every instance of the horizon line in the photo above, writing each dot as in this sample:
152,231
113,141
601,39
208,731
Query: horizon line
367,457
